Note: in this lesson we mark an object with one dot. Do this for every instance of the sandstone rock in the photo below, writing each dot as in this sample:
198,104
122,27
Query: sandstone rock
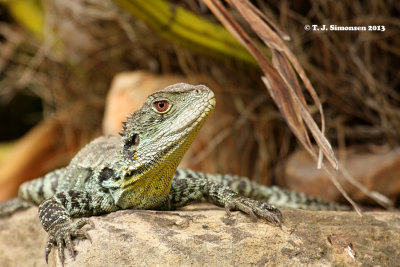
378,171
203,235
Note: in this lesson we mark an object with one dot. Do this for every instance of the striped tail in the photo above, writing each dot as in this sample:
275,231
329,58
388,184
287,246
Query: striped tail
36,191
13,205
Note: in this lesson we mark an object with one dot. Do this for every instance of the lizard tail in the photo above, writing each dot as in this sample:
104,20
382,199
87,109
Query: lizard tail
36,191
286,198
33,192
12,205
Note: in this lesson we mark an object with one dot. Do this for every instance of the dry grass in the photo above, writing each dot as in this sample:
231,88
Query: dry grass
355,73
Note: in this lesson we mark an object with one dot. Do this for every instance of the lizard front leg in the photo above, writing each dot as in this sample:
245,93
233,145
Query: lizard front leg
272,194
195,188
56,214
225,197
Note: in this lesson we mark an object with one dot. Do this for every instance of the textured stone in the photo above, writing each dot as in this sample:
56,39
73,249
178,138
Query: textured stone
203,235
378,170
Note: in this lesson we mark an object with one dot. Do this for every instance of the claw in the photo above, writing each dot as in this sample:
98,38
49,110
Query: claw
275,210
257,209
60,249
81,234
87,236
47,250
275,220
253,215
68,244
279,214
79,224
61,236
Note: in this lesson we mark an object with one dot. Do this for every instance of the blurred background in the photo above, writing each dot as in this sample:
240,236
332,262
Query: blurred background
71,70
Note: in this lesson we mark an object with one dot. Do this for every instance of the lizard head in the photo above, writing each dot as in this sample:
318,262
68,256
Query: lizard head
157,135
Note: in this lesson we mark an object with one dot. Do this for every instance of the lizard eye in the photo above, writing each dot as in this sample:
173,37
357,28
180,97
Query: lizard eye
161,106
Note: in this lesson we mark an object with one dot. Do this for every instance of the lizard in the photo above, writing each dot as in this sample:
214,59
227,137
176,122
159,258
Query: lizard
139,170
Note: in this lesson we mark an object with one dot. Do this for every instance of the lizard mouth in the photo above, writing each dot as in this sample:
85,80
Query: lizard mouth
192,125
211,99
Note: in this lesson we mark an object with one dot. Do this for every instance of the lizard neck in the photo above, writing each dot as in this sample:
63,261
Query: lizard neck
150,185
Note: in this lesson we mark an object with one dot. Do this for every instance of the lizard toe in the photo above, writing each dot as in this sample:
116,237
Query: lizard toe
47,250
61,235
79,233
257,209
68,244
60,246
82,222
269,213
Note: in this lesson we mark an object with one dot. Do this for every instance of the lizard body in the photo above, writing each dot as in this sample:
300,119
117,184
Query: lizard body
139,170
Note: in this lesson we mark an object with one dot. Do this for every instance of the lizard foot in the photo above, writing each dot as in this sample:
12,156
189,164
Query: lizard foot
60,236
255,209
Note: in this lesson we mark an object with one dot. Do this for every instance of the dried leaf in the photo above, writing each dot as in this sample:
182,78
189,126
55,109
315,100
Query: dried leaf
282,84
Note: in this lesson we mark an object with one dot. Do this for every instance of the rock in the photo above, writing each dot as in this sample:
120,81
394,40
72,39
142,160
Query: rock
203,235
22,240
377,170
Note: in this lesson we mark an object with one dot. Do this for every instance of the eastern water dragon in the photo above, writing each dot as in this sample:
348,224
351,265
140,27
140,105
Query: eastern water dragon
139,170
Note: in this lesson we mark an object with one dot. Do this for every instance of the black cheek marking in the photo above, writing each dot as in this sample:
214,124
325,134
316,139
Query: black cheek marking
105,174
130,146
128,153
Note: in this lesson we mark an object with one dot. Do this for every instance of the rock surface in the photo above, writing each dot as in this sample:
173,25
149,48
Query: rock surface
203,235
